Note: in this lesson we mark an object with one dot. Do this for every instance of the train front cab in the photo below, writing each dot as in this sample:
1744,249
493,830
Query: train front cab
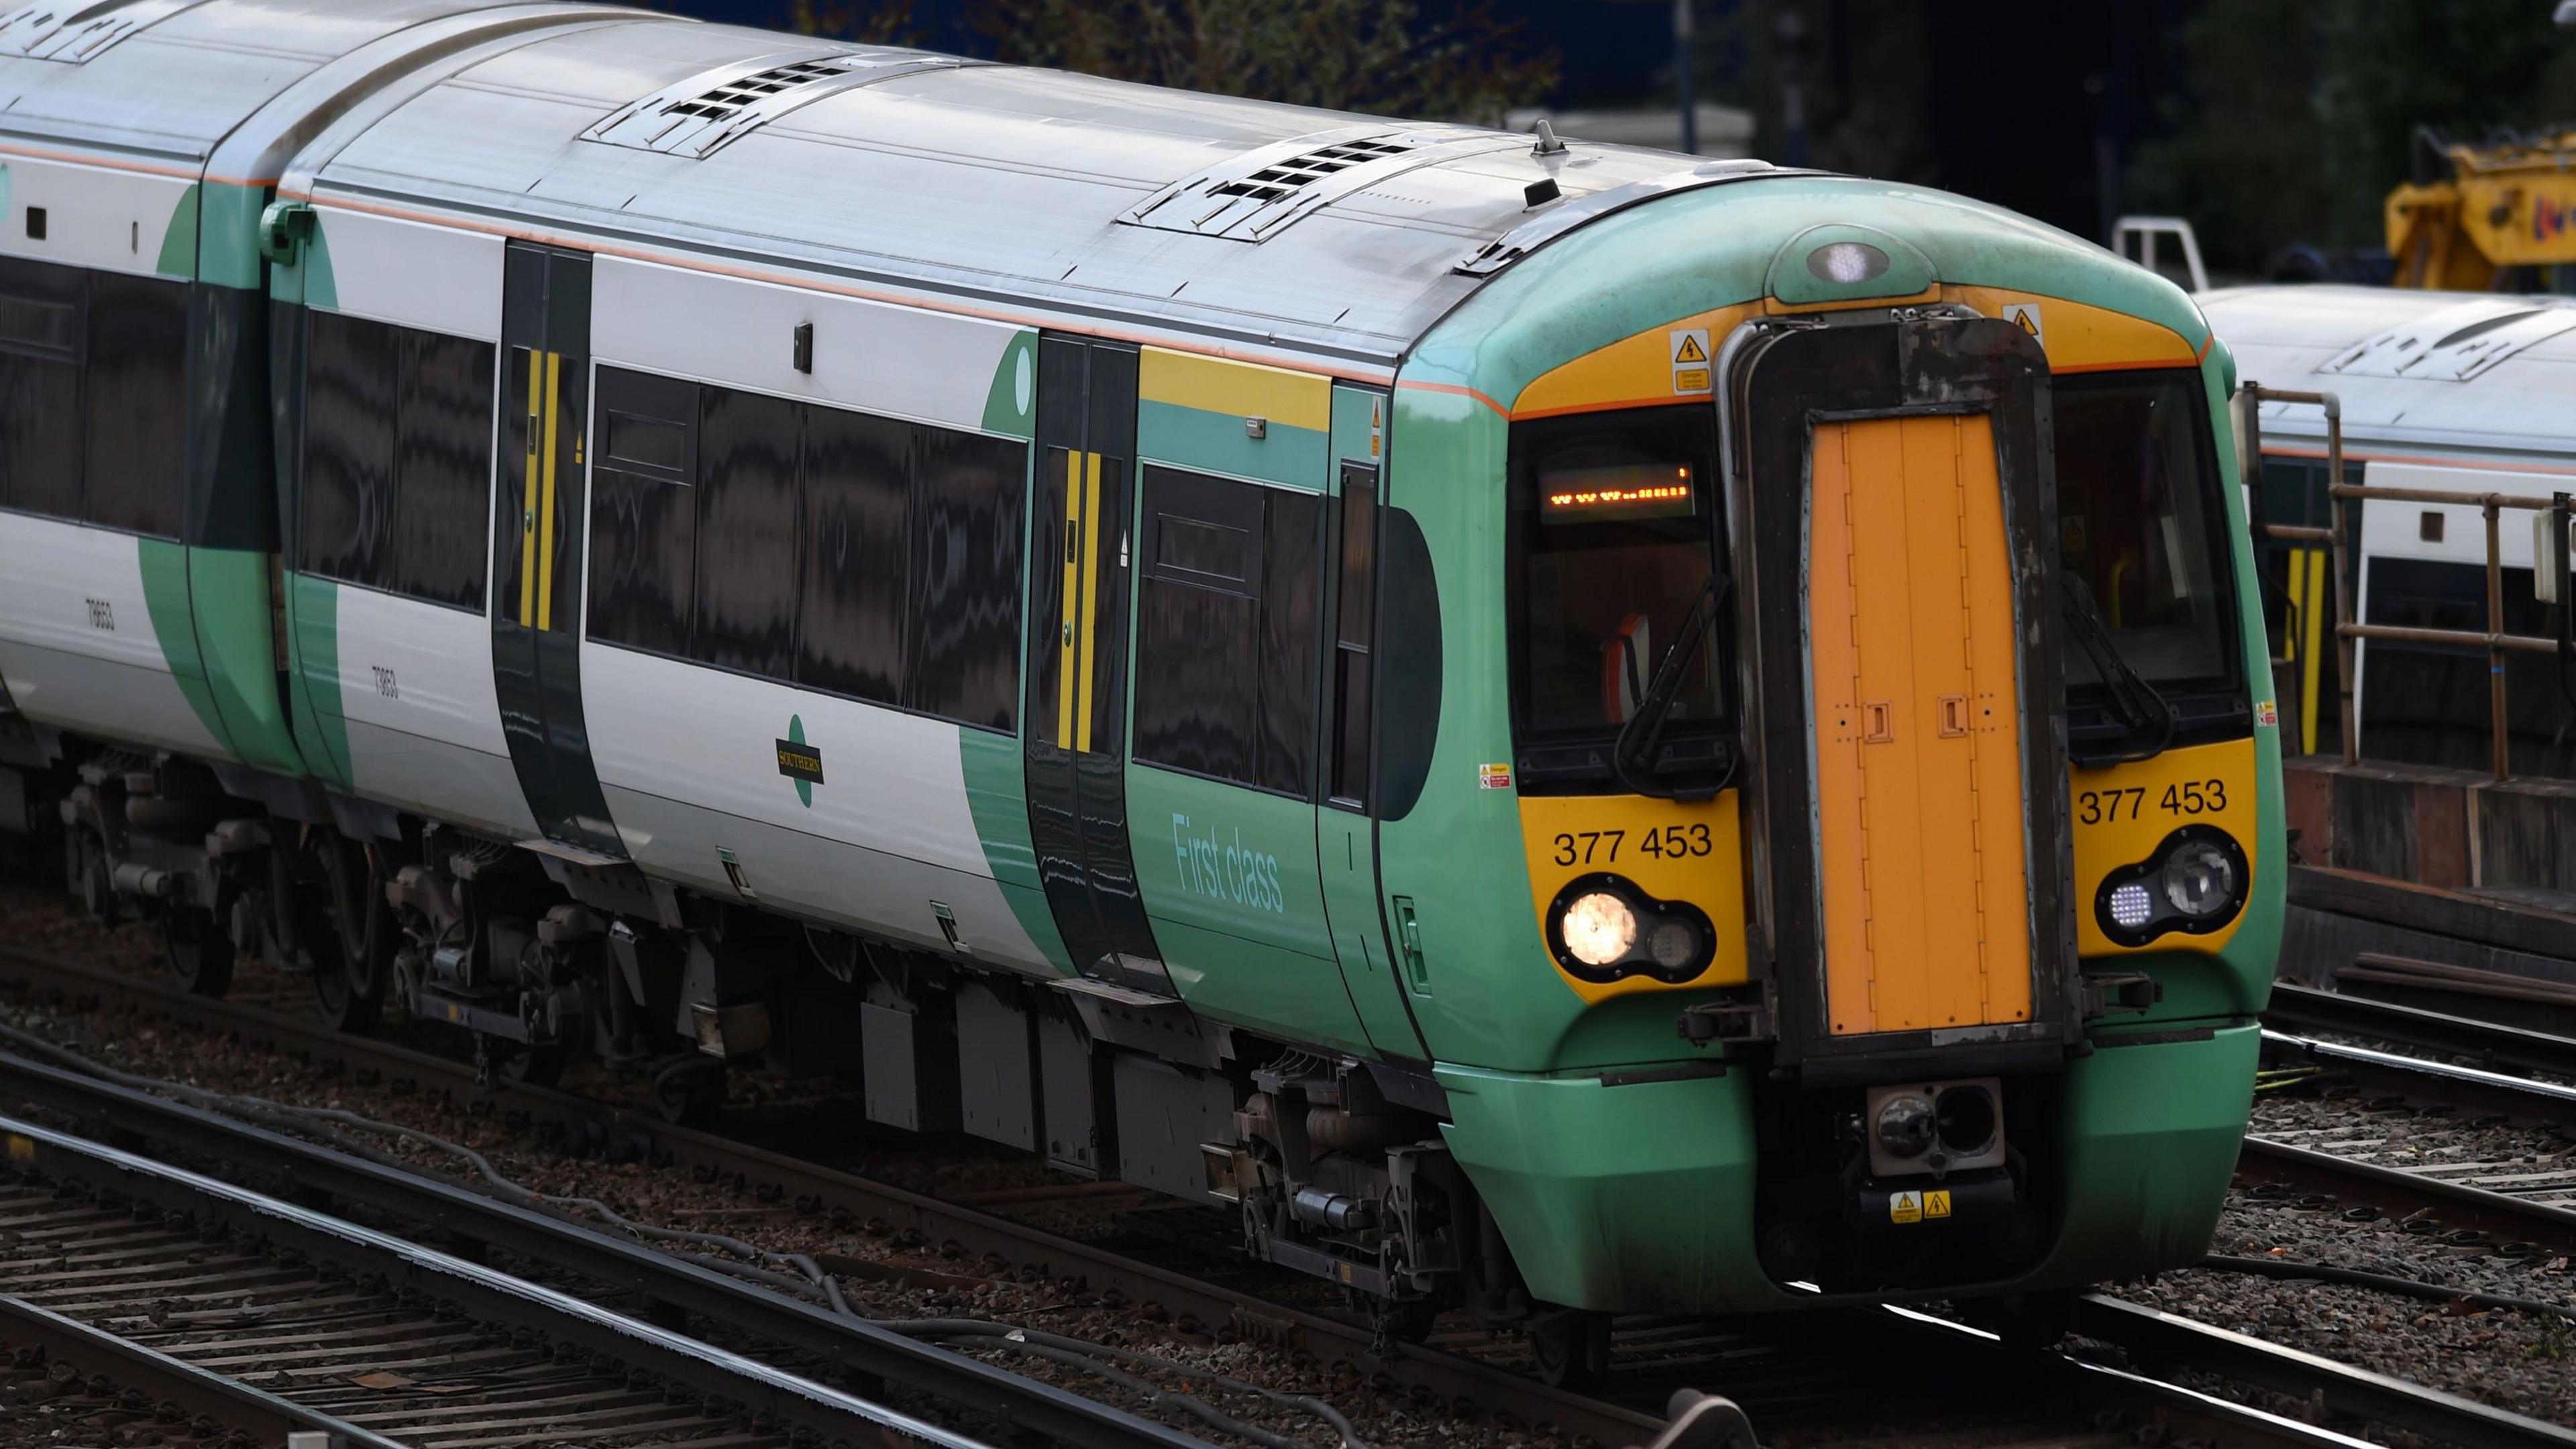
1903,931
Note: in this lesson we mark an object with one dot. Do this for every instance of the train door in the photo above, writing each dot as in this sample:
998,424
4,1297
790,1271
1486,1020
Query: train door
539,523
1345,827
1076,740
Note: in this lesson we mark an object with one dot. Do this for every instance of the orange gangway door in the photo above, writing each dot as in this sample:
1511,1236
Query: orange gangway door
1918,736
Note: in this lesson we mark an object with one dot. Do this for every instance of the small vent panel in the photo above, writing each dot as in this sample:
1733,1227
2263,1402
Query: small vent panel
706,112
73,33
2456,344
1251,197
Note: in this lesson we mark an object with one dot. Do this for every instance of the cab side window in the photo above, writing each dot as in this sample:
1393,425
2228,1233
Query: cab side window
1226,630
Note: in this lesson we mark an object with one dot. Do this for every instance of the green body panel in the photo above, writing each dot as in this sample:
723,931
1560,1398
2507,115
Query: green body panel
228,599
997,798
179,239
307,279
228,234
1345,840
165,596
1217,443
1229,881
1010,404
1639,1197
313,676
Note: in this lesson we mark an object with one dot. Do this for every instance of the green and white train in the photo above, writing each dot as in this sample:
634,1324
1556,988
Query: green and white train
1570,729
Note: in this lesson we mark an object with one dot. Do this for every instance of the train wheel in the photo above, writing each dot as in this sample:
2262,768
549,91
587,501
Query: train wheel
525,1064
200,954
91,883
1571,1345
354,958
688,1092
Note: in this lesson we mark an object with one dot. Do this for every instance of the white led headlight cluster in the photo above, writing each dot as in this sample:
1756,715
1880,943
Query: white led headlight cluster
2195,883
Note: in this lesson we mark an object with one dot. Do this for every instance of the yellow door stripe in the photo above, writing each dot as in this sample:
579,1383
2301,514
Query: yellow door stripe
2312,617
546,508
1090,598
1065,653
528,496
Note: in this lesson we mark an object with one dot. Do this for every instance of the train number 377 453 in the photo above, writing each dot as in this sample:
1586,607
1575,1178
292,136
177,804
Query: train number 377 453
2189,797
1601,847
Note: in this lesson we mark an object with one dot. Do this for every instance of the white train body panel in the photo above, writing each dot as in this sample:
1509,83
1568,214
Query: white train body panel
106,218
888,831
77,645
438,278
424,727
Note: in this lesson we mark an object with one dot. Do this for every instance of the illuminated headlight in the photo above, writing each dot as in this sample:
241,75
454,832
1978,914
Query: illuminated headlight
1846,262
1602,928
1599,928
2194,882
2200,879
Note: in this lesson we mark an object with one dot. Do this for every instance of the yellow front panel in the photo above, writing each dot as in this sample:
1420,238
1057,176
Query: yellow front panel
1674,850
2123,812
1918,733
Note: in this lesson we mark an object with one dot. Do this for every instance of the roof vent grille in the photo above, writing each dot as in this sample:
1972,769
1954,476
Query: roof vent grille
2456,343
68,31
700,115
1252,196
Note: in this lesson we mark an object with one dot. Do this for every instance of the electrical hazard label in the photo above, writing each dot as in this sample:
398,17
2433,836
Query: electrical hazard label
1914,1207
1690,360
2025,315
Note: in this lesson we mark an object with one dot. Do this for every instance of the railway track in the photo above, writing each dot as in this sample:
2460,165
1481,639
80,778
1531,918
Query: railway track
242,1311
1781,1373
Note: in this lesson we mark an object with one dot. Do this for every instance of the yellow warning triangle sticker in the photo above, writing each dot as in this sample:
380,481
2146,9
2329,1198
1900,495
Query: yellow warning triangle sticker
2026,318
1691,350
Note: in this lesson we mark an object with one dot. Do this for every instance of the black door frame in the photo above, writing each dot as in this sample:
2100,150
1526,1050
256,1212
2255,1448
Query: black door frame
1081,590
540,489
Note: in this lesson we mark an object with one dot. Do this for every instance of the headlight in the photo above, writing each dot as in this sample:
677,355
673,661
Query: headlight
1906,1125
1598,928
2194,882
2199,879
1603,928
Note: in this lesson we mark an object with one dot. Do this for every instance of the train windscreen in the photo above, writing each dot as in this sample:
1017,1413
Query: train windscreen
2141,546
1612,545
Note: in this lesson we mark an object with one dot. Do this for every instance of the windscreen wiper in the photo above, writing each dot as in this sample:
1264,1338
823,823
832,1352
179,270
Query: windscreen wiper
2132,698
1644,731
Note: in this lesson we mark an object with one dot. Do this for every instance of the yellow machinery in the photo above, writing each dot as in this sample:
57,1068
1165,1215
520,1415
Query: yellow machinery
2510,203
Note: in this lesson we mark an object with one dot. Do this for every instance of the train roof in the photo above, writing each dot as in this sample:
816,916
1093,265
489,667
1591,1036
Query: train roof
1250,225
172,78
2456,376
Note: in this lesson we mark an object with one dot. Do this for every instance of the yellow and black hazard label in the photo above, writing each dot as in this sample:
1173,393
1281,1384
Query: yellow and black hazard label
1914,1207
1690,360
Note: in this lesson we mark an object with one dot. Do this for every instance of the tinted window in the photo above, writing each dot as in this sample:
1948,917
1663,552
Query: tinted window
2139,526
747,507
857,473
136,448
442,466
644,521
350,374
1348,745
41,335
1226,630
967,515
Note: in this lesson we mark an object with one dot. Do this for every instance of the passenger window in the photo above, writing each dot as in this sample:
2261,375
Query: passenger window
397,459
135,461
747,507
966,515
349,393
41,333
442,467
1225,633
1349,735
644,518
857,472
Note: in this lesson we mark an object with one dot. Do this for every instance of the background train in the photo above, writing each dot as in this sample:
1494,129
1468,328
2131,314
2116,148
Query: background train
2459,392
1567,728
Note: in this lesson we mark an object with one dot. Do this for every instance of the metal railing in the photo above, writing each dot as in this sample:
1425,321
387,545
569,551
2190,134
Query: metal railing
2336,536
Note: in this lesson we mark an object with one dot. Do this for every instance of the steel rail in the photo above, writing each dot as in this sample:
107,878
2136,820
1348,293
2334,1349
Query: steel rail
487,1294
2161,1337
435,1205
2490,1042
2471,1087
1453,1378
174,1381
2407,1193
